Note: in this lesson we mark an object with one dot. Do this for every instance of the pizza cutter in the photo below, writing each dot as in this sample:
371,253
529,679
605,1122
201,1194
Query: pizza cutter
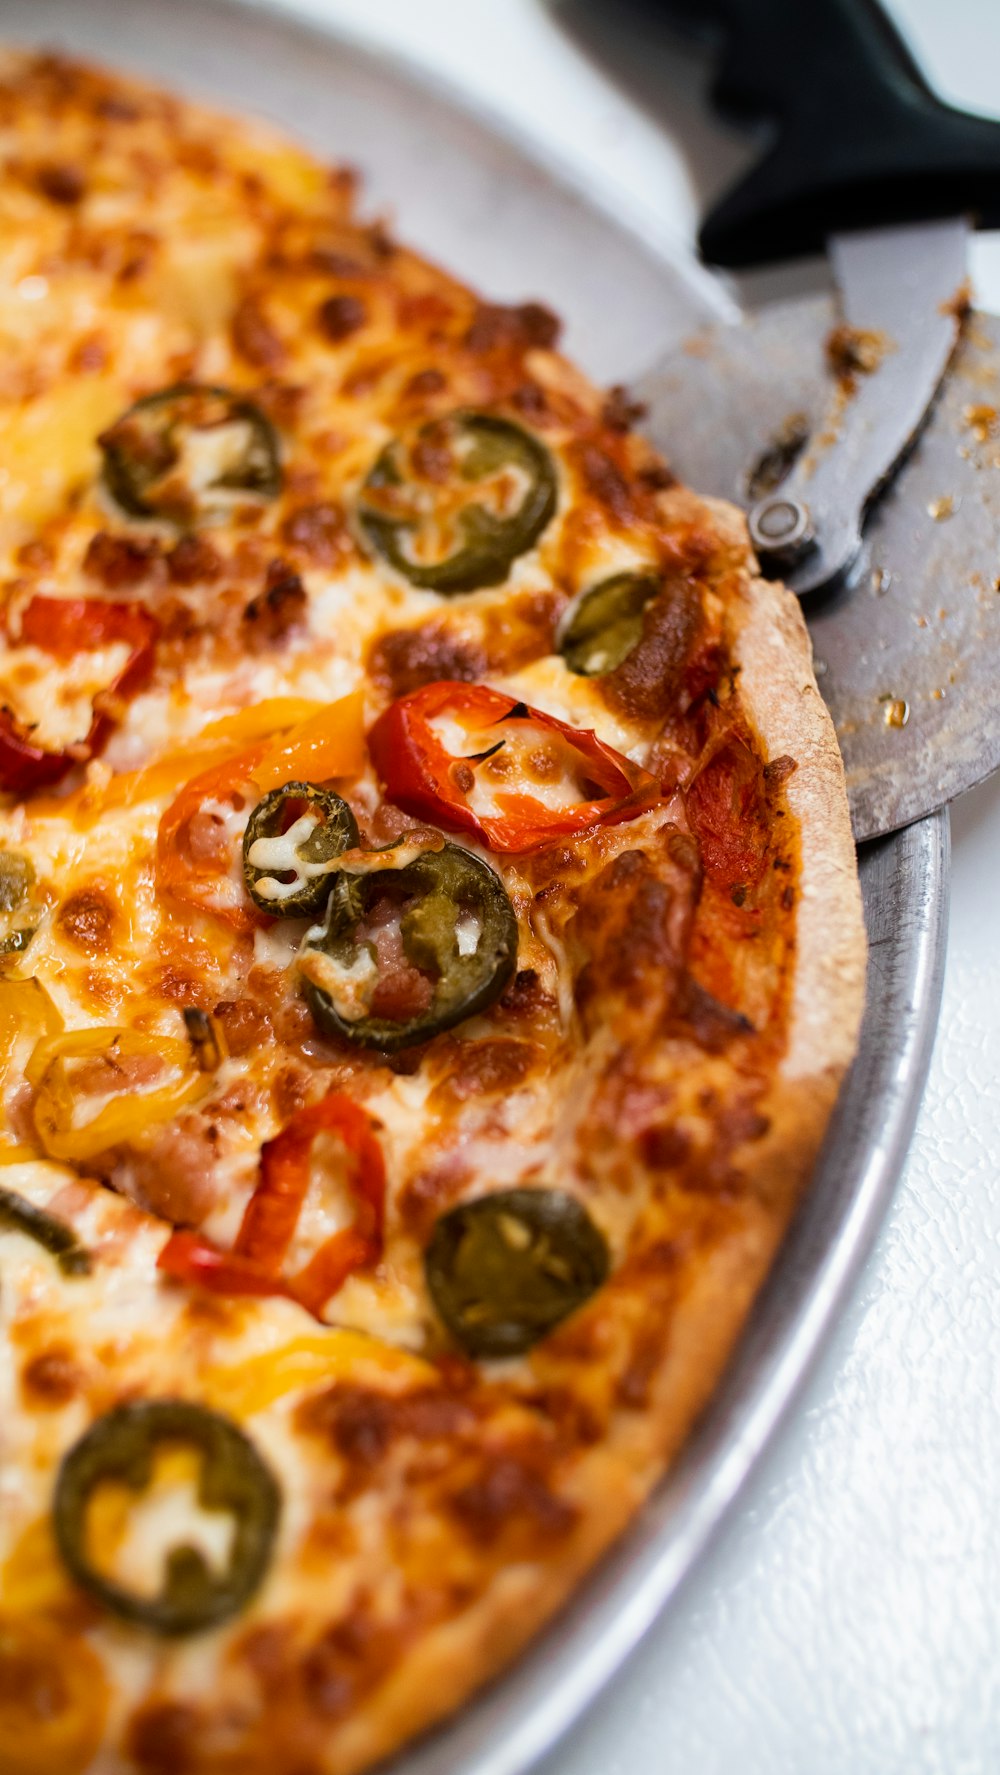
861,433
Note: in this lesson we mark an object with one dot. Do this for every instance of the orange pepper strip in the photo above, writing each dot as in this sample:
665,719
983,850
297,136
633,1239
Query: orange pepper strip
275,715
330,744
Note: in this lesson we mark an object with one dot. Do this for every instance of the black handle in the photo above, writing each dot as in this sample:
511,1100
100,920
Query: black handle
861,139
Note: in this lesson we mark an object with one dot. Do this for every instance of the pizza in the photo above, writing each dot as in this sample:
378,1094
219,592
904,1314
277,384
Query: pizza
431,946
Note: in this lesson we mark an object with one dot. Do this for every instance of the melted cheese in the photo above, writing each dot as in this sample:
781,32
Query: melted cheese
57,706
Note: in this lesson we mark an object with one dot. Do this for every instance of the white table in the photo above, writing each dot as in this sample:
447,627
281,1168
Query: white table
848,1620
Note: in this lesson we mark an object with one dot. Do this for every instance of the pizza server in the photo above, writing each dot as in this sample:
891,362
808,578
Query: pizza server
862,433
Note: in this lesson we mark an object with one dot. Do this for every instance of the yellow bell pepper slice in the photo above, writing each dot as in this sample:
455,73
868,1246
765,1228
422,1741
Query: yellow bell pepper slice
26,1013
246,1387
124,1113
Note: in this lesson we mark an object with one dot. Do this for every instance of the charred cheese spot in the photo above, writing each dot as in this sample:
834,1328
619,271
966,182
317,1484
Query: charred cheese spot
88,919
405,659
52,1378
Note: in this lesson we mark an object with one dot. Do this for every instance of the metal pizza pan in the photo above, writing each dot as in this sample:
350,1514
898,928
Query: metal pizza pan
483,199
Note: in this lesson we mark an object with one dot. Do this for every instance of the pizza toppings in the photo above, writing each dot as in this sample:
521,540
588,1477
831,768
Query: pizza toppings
64,628
189,454
54,1236
255,1266
454,506
410,950
121,1450
461,755
198,850
292,840
97,1088
505,1269
605,624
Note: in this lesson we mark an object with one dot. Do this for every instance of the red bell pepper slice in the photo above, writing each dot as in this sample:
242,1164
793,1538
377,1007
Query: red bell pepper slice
64,627
428,781
187,1257
254,1266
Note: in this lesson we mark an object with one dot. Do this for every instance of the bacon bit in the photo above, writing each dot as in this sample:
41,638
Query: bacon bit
254,337
319,531
523,327
119,561
282,607
620,412
245,1024
61,183
193,561
402,991
291,1090
605,482
175,1176
206,840
340,316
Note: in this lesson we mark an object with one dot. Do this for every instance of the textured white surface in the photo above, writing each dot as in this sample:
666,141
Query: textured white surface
848,1621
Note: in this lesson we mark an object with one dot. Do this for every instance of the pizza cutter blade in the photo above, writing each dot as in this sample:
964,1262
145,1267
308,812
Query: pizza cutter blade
870,484
907,645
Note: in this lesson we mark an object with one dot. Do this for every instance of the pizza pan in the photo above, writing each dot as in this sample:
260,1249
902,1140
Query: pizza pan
469,194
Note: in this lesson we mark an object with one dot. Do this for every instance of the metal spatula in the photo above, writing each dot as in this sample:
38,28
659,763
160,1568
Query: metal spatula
862,435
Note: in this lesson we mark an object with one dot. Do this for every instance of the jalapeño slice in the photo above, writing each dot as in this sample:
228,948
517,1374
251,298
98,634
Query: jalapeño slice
458,936
604,625
54,1236
119,1448
190,453
17,878
503,1270
290,841
454,506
